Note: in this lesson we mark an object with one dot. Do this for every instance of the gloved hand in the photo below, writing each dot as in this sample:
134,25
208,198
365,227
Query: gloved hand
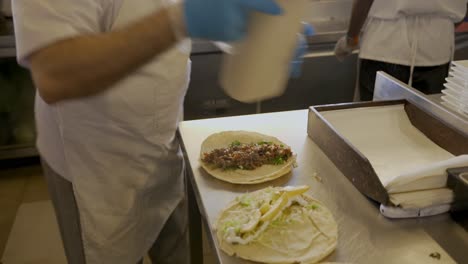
296,63
344,47
223,20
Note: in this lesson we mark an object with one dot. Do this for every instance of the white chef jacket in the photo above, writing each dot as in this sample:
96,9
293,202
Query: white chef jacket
411,32
118,147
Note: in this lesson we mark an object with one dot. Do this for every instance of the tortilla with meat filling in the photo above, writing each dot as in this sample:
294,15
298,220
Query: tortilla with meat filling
250,172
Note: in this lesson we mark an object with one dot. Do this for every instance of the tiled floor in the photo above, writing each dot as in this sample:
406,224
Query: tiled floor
34,237
26,185
17,186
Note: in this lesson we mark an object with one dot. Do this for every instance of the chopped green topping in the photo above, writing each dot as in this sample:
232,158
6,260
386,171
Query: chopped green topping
282,145
230,224
278,160
263,142
276,222
245,201
312,206
235,143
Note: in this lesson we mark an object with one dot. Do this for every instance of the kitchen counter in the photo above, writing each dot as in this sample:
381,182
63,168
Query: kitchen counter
365,236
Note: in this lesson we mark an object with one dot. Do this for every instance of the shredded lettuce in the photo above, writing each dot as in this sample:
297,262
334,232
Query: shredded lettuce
312,206
245,201
240,216
231,224
235,143
278,160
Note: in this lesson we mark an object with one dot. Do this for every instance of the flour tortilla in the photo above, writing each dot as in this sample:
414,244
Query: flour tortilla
261,174
309,242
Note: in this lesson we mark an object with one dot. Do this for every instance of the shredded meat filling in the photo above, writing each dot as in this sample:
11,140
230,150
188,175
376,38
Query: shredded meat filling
247,156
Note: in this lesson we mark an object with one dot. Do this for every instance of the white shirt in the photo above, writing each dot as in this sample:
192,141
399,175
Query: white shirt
118,147
401,31
41,23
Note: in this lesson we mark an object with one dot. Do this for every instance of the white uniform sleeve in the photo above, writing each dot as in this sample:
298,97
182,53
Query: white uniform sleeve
40,23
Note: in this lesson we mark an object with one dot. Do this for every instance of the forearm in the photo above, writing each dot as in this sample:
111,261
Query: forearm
359,14
89,64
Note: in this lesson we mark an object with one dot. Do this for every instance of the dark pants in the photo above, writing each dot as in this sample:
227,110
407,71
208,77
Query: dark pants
429,80
170,247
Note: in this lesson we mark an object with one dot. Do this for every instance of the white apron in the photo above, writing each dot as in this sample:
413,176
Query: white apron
393,32
122,155
391,9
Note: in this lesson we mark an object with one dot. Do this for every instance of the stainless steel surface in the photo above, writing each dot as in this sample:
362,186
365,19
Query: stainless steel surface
324,80
203,46
389,88
7,40
17,151
330,19
17,129
5,8
324,38
7,52
461,45
365,236
329,10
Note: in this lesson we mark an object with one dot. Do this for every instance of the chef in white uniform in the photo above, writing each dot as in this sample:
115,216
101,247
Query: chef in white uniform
411,40
111,77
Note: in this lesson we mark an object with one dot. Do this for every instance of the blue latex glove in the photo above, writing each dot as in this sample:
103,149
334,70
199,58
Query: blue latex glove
296,63
223,20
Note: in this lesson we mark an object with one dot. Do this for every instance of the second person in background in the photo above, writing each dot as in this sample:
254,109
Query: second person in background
411,40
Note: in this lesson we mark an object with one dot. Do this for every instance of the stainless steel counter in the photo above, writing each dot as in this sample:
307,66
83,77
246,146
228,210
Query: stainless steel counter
365,236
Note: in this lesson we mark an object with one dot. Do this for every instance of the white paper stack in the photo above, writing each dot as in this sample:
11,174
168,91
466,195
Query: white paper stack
456,88
410,166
